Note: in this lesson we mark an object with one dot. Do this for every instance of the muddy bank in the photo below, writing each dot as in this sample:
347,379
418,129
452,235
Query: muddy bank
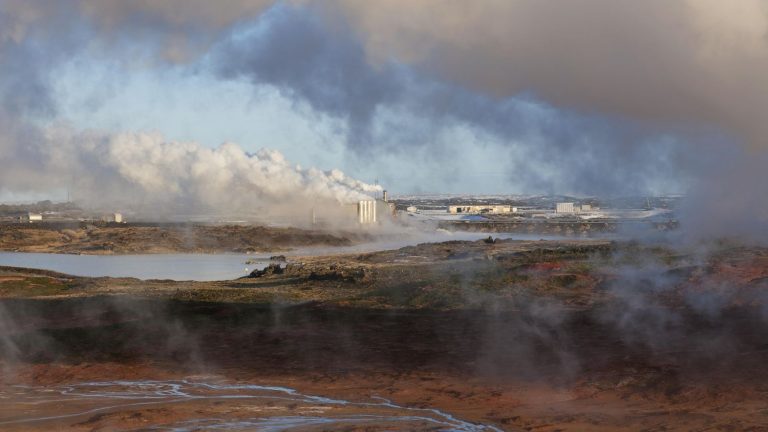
163,238
178,405
516,335
450,275
199,337
514,371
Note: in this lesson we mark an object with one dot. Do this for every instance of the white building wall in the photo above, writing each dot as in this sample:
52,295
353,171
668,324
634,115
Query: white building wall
564,208
366,211
475,209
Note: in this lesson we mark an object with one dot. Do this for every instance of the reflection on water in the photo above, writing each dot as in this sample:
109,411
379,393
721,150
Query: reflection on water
277,424
249,407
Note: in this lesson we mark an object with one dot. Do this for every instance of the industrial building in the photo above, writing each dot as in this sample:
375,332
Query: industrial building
372,211
31,217
364,212
113,217
564,207
479,209
570,208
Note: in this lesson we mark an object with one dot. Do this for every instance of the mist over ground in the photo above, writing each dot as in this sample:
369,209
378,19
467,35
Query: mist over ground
265,115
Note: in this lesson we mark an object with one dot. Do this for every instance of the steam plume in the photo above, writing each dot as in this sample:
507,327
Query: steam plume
145,172
591,96
137,171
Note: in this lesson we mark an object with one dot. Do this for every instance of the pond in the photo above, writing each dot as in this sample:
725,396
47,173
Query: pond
199,267
212,267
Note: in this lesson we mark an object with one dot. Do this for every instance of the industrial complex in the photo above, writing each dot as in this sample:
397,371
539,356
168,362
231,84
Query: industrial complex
536,213
513,213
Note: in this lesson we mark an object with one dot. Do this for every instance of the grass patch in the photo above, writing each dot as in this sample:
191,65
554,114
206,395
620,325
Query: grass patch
420,294
34,286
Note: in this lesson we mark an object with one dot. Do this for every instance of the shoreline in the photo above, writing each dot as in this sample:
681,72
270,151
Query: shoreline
538,335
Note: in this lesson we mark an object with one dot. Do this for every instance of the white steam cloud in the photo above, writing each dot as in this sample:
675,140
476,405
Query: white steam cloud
632,91
140,172
146,173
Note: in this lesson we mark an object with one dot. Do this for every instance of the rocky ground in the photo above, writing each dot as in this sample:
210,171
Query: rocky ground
162,238
583,335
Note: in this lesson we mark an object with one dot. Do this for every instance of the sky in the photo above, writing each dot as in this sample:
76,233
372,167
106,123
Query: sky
189,102
341,98
199,107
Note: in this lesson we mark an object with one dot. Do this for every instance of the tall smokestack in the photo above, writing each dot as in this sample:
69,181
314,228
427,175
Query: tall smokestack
384,196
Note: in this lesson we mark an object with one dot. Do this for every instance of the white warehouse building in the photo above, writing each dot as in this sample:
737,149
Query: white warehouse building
32,217
113,217
477,209
564,207
366,211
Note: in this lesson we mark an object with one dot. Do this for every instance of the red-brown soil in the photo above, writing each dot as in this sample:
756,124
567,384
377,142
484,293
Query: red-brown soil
565,338
481,367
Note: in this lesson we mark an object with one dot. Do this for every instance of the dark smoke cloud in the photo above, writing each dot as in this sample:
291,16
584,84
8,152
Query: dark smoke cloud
317,61
170,31
685,61
291,49
587,97
694,69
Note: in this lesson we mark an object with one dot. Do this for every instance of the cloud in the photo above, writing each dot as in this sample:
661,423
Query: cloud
587,97
139,171
698,62
317,61
148,174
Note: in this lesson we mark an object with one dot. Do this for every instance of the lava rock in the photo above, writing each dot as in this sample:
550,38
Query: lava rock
272,269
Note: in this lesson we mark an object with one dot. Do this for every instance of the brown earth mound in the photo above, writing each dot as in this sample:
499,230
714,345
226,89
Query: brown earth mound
162,238
520,335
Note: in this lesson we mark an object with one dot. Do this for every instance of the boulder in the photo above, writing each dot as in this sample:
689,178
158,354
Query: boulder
272,269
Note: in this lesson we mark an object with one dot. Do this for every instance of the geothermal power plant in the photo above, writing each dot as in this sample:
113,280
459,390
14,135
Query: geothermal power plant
333,215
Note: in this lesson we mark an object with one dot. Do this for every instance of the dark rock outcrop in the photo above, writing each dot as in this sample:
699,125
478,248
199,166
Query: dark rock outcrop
272,269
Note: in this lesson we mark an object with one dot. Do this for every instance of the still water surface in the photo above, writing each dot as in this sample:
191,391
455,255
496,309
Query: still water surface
211,267
200,267
251,407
